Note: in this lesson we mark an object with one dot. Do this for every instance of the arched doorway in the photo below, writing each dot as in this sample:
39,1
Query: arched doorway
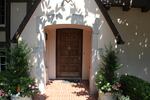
68,51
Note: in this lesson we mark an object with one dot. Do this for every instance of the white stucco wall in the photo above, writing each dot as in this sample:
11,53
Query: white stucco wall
49,12
133,26
18,12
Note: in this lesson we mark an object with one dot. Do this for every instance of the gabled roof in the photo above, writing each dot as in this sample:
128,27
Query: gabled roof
101,7
109,21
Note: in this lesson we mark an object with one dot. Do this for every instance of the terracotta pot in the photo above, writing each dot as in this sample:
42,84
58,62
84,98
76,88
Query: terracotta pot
14,97
106,96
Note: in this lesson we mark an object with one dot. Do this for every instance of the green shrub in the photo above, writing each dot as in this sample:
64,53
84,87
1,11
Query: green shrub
15,79
135,88
106,77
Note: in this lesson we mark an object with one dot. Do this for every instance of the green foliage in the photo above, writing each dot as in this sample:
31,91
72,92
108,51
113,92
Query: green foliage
3,98
135,88
3,95
122,97
27,87
106,78
18,65
16,79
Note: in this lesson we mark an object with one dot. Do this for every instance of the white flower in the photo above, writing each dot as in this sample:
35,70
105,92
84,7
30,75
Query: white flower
109,89
29,86
108,84
33,91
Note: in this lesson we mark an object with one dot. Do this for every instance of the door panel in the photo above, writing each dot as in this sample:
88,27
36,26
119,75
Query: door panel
69,53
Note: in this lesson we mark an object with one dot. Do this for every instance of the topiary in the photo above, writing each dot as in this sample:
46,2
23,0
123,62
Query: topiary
106,78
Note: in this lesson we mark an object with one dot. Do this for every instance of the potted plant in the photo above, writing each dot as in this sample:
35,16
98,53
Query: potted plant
16,80
106,79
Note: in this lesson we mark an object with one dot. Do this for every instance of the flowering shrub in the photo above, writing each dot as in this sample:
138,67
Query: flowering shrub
33,88
3,95
116,87
26,87
122,97
106,77
106,86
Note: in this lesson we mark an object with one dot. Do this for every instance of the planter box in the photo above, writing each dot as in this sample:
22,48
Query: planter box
106,96
14,97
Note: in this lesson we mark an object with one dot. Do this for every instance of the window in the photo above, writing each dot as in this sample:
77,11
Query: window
2,12
2,36
2,60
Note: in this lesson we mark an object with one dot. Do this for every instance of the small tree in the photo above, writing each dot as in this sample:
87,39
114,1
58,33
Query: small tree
18,58
106,76
16,77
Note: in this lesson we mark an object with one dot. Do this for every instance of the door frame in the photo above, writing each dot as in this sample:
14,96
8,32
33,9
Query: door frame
81,63
50,54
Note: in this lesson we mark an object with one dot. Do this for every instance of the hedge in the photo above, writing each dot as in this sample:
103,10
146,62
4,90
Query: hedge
135,88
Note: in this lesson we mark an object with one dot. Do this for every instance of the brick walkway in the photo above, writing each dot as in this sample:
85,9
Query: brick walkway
66,90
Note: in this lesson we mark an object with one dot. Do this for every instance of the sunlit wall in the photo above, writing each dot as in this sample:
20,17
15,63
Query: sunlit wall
50,12
134,27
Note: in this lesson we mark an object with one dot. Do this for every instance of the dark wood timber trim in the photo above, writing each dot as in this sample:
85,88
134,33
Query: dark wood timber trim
7,28
25,21
2,28
110,23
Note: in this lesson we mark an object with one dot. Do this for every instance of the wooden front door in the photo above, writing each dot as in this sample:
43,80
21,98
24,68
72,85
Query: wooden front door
69,53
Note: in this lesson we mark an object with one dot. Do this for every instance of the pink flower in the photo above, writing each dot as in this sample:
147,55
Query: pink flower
2,93
33,87
116,86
